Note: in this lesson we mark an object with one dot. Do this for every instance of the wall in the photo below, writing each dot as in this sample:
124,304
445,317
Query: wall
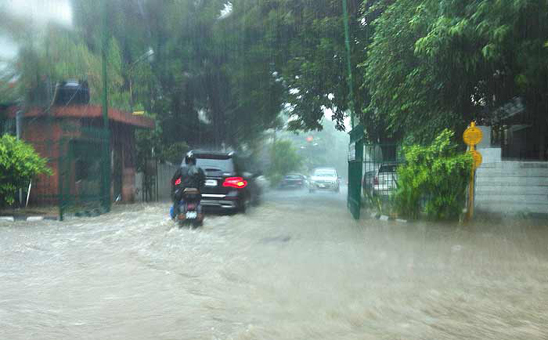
165,173
510,187
163,180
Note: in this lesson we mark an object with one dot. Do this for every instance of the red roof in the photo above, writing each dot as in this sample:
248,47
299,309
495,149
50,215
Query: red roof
90,111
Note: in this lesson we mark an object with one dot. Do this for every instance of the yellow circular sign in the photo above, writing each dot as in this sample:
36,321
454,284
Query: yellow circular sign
472,135
478,158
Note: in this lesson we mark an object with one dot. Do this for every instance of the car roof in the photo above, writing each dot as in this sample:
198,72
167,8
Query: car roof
325,169
212,154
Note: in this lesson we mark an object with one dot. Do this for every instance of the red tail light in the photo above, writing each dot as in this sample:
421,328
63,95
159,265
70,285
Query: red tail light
376,181
178,181
235,182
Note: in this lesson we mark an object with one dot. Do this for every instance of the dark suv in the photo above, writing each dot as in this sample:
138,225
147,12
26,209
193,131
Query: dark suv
228,186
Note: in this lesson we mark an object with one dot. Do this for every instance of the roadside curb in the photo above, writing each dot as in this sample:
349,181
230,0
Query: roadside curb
386,218
27,218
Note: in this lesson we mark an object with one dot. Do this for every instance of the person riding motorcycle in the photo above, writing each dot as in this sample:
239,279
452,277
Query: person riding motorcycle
187,176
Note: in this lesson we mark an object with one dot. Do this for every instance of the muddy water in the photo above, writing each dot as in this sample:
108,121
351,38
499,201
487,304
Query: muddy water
295,268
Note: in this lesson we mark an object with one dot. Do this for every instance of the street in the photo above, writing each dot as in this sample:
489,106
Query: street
297,267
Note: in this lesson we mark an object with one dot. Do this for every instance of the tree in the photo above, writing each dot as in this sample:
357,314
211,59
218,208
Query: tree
211,81
440,64
438,173
312,61
19,163
283,160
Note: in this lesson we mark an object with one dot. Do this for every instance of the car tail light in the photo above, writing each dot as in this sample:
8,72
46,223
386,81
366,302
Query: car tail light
376,180
178,181
235,182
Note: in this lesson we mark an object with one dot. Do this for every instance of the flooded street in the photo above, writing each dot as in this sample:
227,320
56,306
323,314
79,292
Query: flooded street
297,267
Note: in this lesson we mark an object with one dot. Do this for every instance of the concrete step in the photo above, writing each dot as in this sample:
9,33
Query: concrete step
487,189
532,172
515,165
512,207
518,199
494,180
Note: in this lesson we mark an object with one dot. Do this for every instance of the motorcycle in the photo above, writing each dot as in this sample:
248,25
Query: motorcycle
190,209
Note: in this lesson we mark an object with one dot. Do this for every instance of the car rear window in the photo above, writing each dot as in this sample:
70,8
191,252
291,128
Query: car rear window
325,173
388,168
214,164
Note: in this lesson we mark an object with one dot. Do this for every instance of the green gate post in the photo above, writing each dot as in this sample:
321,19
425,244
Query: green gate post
355,165
356,135
106,142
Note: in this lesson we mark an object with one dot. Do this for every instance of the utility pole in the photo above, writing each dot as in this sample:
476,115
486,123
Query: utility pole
106,135
348,63
18,133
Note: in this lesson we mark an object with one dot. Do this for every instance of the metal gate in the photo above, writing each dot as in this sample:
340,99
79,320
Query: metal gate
84,172
355,159
380,179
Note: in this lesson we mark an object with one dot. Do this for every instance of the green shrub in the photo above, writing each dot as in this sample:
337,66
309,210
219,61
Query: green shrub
283,160
19,163
438,175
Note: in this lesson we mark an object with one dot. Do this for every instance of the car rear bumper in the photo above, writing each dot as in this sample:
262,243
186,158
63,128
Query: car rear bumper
383,190
324,186
292,185
219,201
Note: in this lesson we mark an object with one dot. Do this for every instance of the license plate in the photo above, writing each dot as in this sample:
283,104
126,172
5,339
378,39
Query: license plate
321,185
191,214
210,183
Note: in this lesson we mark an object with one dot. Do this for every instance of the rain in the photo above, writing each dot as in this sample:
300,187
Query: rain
249,169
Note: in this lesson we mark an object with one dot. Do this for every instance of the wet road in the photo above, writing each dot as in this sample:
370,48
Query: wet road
298,267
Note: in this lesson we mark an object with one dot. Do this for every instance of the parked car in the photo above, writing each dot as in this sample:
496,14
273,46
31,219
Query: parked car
228,185
324,179
293,181
386,180
367,182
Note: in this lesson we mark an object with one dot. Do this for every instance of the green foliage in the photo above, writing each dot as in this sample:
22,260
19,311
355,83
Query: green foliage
174,153
19,163
440,64
437,173
283,160
324,150
312,65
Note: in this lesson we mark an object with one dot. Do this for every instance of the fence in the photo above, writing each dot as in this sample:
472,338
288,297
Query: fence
78,155
380,178
154,182
84,171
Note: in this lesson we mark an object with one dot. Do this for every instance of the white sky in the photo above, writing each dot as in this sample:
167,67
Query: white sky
38,13
41,11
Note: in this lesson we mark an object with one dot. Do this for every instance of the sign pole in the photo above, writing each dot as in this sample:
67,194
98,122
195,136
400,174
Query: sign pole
472,137
471,189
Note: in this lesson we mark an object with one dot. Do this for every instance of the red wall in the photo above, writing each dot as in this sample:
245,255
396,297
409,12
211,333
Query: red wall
47,142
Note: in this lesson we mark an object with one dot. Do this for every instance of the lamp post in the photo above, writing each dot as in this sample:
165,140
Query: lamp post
149,55
348,63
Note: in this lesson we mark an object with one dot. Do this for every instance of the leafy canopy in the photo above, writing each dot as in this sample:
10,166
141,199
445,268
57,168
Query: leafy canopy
438,174
19,163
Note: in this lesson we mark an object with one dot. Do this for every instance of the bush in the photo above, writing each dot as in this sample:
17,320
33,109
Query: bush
283,160
174,153
19,163
437,174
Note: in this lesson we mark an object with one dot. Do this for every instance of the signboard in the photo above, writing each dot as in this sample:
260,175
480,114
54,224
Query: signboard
352,152
478,159
472,135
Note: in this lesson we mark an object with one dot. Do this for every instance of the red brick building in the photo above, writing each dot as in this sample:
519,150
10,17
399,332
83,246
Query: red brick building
62,135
